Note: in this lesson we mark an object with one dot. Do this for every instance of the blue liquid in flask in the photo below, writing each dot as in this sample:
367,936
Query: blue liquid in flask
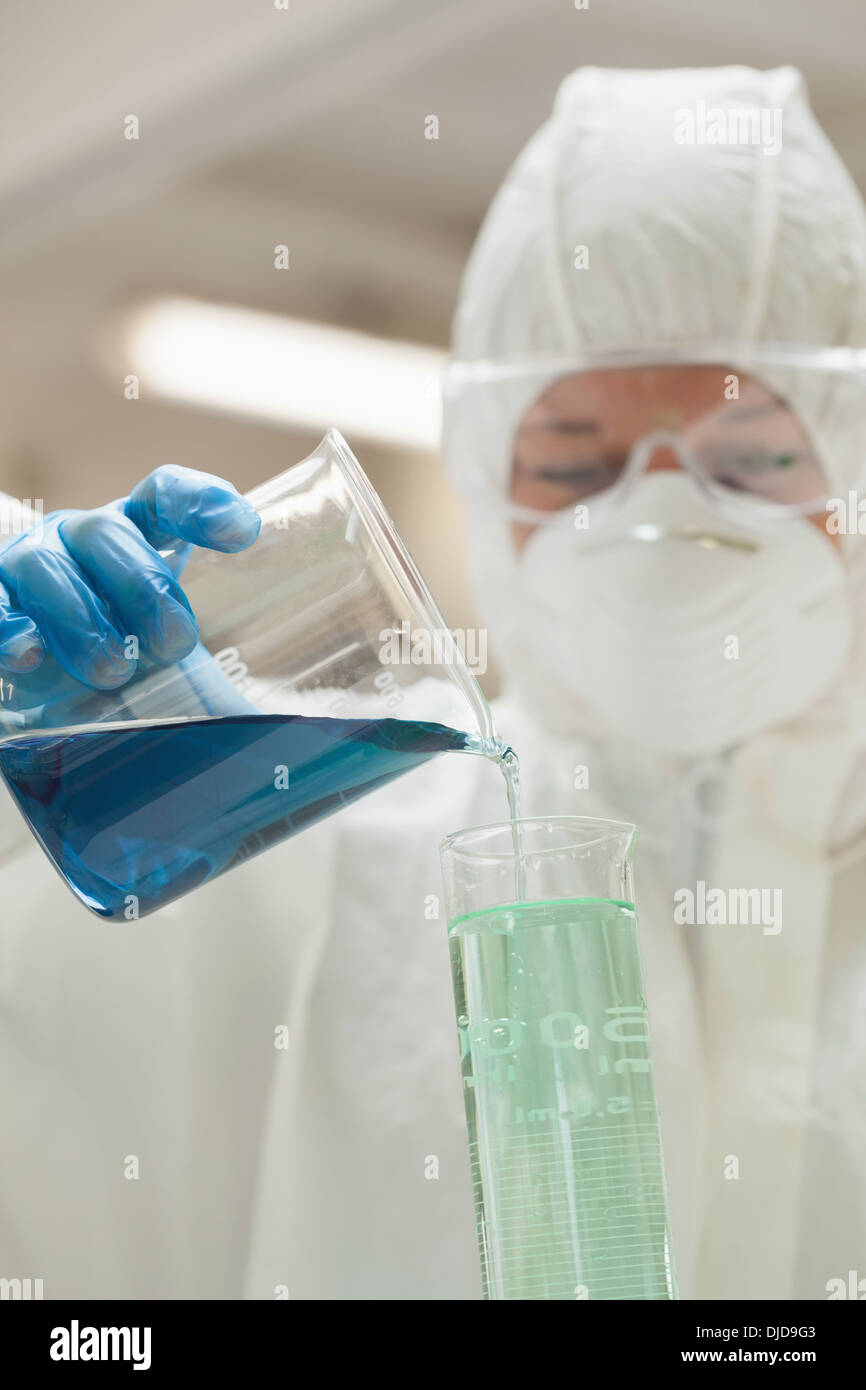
154,810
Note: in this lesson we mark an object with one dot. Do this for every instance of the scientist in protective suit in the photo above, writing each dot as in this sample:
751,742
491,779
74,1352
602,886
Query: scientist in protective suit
651,428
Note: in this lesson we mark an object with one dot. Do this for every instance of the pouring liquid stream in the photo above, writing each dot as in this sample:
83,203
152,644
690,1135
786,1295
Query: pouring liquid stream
509,765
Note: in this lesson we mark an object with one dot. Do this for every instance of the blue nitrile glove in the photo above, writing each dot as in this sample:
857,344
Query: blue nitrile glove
69,596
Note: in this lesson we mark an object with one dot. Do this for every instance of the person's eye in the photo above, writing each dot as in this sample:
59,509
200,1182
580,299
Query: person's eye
577,475
758,461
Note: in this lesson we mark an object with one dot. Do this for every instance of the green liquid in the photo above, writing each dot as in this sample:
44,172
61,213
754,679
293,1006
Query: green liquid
563,1124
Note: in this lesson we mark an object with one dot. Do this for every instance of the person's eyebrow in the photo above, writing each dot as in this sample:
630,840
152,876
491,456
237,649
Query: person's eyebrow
744,414
555,426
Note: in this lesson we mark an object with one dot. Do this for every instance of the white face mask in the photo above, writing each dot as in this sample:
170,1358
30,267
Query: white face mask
682,631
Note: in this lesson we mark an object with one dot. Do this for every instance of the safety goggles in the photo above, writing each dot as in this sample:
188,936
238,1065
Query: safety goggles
755,426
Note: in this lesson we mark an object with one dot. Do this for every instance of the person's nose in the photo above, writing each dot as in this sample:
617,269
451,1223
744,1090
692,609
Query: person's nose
663,458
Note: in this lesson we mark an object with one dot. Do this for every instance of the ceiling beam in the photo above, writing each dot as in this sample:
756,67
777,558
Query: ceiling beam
220,104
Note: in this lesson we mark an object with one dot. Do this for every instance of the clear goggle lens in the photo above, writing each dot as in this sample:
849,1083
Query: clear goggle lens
752,428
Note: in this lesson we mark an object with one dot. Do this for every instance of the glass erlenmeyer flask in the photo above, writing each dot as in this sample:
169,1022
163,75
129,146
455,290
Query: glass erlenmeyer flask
564,1137
324,669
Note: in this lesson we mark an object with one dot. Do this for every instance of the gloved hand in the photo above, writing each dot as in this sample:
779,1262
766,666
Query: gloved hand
70,597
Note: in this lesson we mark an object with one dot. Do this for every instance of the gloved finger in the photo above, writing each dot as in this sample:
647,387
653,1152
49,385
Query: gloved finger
21,647
180,504
76,628
135,582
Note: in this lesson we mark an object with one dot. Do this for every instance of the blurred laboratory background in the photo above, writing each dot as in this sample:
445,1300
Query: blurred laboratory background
300,124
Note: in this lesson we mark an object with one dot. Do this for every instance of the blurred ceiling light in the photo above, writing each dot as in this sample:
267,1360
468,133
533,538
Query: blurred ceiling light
287,371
